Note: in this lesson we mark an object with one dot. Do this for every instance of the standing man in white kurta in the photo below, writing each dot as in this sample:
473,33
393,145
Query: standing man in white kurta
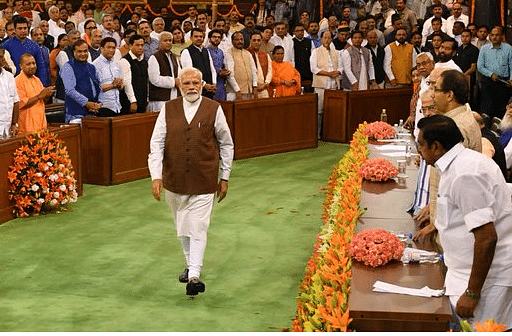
190,135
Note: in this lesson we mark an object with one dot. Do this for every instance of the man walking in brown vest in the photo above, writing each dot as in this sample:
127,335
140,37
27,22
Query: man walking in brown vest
190,135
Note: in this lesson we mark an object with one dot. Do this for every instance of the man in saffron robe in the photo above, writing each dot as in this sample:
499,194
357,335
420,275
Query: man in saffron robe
32,96
285,78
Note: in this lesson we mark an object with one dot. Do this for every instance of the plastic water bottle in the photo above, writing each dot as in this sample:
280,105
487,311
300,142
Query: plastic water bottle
384,116
401,126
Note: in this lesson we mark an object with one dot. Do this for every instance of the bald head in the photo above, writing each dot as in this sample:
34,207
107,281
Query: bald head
435,74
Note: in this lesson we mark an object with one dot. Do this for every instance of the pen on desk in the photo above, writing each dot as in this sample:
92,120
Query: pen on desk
199,125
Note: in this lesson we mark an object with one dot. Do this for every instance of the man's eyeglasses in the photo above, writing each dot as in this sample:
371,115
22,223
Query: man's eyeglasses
93,27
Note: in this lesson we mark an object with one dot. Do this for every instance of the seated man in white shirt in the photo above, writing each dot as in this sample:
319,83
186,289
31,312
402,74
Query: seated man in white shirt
473,219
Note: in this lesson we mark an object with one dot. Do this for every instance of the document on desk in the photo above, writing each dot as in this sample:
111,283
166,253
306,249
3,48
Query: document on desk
384,287
391,148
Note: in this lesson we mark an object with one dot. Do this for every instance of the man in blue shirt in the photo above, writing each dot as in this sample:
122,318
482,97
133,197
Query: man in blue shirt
495,65
110,78
80,84
19,44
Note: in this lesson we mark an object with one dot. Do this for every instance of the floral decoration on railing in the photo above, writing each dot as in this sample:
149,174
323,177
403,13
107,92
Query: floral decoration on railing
380,130
322,302
487,326
42,178
376,247
377,170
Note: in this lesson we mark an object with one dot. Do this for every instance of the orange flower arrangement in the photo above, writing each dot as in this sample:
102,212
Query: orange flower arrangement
377,169
380,130
42,178
376,247
322,302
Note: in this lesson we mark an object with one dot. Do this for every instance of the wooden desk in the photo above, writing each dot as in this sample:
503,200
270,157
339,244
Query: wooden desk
386,204
69,134
273,125
115,149
345,110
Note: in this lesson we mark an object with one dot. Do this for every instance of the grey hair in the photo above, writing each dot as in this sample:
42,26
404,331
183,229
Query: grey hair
188,70
158,18
52,8
73,31
426,53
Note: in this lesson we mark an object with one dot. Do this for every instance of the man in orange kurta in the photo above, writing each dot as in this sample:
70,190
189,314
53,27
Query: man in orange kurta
32,96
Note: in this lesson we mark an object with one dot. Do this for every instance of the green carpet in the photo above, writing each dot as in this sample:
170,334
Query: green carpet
110,263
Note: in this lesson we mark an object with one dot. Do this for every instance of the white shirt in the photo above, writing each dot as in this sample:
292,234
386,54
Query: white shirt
8,96
331,83
423,88
427,29
186,61
222,133
451,20
450,64
155,35
126,71
156,79
287,44
472,192
230,65
388,57
54,30
345,64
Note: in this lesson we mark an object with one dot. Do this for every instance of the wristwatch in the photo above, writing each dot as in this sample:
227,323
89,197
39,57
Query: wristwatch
471,295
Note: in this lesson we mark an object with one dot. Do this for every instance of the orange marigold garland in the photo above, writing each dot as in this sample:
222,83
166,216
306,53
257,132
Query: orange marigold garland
322,302
42,178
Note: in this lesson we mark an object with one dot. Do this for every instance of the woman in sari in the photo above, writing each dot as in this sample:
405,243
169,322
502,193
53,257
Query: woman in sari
285,78
54,68
179,44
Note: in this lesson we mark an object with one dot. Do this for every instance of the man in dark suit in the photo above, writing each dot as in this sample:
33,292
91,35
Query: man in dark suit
377,57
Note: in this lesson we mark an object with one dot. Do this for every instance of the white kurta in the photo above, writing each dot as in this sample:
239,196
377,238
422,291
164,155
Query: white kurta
191,212
8,96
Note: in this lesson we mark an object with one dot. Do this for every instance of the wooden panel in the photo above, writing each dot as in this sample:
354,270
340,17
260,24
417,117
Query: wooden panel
71,137
274,125
335,116
367,106
96,150
131,135
345,110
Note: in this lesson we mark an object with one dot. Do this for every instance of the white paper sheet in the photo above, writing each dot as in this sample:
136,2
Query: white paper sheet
394,154
384,287
391,147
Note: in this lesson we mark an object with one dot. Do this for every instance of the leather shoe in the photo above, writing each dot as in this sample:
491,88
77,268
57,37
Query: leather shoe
195,286
184,276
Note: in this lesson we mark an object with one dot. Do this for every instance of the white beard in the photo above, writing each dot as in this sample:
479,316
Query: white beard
191,97
506,123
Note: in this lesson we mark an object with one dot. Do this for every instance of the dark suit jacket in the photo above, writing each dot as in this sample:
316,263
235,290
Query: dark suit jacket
49,42
378,63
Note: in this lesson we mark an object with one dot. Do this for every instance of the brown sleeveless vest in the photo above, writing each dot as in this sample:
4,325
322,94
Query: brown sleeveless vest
191,156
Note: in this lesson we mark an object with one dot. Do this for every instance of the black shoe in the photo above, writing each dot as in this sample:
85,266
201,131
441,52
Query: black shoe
195,286
184,276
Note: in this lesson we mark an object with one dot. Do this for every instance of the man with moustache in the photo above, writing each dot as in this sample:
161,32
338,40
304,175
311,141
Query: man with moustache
356,65
163,70
446,53
240,62
263,66
399,59
80,84
32,96
134,68
190,142
377,52
198,57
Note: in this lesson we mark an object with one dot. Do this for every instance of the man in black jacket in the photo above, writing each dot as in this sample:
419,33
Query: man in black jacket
377,57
